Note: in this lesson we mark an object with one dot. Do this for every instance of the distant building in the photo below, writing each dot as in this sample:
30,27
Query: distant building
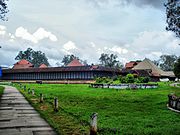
23,64
131,64
154,72
43,66
24,70
75,63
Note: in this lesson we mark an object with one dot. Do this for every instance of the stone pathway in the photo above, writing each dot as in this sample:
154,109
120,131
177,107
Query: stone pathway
18,117
175,85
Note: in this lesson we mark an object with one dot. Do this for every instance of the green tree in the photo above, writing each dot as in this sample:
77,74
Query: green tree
177,68
68,58
39,58
110,60
166,62
27,55
35,57
173,16
3,9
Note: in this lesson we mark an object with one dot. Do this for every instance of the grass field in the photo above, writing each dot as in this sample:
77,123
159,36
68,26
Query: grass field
130,111
1,90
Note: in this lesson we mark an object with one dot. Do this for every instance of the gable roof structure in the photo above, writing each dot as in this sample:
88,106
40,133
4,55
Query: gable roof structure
75,63
43,66
23,64
131,64
147,64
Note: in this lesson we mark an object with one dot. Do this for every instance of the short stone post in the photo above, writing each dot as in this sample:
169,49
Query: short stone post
93,124
33,92
56,104
169,100
178,104
41,98
24,87
29,91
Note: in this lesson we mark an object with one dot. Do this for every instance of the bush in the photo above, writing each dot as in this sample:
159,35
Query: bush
142,80
146,79
103,80
130,78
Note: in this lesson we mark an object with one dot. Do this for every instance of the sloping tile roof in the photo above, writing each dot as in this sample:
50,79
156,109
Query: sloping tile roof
63,69
75,63
22,64
131,64
147,64
43,66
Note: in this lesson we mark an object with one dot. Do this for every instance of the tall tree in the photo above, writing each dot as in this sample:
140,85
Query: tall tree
3,9
68,58
177,68
35,57
110,60
27,55
173,16
166,62
39,58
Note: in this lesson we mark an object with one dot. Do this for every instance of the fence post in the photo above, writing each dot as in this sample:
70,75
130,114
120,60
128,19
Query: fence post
24,87
93,124
29,91
178,104
41,98
33,92
56,104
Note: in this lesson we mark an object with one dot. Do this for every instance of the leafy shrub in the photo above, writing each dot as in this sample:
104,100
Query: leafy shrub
103,80
123,80
145,80
142,80
130,78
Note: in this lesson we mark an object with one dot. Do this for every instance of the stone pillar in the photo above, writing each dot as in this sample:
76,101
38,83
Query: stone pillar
24,87
93,124
29,91
56,104
41,98
33,92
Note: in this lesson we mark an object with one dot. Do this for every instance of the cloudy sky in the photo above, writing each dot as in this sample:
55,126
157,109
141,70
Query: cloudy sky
132,29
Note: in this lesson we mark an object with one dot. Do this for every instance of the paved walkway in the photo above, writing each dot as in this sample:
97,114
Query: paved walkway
175,85
18,117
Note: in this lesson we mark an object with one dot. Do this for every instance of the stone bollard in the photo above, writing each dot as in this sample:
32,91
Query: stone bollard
24,87
29,91
41,98
93,124
56,104
178,104
32,92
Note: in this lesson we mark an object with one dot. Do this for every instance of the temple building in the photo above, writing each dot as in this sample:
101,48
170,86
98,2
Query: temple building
24,70
22,64
151,70
131,64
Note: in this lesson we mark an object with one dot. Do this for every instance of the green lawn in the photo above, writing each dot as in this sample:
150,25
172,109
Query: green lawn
1,90
130,111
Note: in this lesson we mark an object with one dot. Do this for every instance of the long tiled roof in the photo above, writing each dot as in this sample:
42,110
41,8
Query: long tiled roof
62,69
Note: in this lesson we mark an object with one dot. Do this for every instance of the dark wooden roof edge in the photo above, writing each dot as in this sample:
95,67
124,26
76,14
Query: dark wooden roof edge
62,69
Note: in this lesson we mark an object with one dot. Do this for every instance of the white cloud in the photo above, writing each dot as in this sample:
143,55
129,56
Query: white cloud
41,34
69,46
24,34
36,36
119,50
2,27
2,30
